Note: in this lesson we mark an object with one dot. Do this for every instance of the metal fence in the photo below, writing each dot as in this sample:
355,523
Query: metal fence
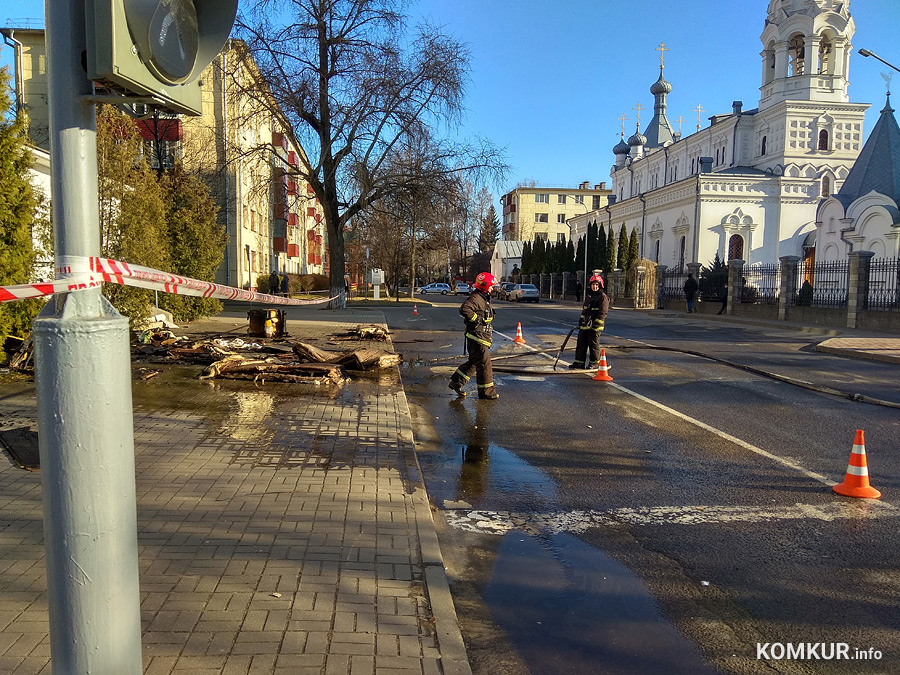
761,283
884,285
673,286
825,284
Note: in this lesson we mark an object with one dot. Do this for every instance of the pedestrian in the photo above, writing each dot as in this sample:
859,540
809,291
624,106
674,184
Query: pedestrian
478,314
274,283
591,324
724,300
285,285
690,292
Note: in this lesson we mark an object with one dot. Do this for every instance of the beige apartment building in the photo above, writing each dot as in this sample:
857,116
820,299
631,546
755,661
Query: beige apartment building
532,212
242,150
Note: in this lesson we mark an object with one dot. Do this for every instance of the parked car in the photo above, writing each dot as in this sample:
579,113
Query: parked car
501,291
525,292
443,289
461,287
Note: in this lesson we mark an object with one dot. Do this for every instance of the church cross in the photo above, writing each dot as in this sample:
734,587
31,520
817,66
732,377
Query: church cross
638,108
679,119
662,49
622,119
699,110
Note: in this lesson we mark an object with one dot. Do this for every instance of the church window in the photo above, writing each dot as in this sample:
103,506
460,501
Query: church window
656,259
692,165
825,56
717,157
736,247
762,149
823,140
826,186
681,254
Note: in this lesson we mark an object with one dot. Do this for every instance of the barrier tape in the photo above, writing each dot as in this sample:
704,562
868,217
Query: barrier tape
91,272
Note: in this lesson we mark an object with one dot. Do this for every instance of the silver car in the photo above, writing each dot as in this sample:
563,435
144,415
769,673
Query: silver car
525,293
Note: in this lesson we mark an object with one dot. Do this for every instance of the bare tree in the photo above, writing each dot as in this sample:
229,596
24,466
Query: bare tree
336,72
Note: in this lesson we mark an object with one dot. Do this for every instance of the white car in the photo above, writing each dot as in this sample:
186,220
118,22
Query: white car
461,287
525,292
443,289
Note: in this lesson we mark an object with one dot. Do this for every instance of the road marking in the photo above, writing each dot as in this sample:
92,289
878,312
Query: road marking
502,522
728,437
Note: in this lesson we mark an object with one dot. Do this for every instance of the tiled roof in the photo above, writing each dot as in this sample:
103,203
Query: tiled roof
878,165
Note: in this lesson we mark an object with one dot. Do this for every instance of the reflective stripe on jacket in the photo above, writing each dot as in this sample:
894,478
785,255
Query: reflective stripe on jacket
479,315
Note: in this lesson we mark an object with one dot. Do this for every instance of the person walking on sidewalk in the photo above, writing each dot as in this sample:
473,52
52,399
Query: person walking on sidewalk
591,324
479,315
274,283
690,292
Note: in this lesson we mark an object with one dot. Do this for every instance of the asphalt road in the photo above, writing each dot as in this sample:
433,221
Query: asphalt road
679,519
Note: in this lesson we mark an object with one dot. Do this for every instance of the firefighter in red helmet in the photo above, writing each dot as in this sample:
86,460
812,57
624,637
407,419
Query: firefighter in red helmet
479,315
591,324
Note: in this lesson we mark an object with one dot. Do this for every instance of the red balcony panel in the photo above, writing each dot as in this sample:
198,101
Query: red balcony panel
293,250
310,211
279,211
311,258
280,244
292,187
318,217
309,189
293,220
162,130
310,235
318,260
293,158
319,239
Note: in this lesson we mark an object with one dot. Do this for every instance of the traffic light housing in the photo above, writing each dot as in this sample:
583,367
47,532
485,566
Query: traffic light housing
156,49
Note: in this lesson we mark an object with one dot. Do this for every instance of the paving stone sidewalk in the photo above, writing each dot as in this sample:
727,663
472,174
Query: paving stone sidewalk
282,529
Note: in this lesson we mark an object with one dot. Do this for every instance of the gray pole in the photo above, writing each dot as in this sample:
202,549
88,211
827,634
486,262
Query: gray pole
82,375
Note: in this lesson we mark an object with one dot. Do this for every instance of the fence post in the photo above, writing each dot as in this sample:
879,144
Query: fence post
858,291
787,288
735,284
661,286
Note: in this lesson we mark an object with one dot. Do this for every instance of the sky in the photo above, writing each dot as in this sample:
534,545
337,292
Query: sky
549,79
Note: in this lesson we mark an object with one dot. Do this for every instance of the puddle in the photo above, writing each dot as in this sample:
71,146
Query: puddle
569,608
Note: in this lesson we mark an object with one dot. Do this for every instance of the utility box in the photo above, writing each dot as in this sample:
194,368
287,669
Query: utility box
269,323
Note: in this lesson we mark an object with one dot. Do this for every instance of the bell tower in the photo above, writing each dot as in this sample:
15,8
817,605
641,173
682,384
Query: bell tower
806,51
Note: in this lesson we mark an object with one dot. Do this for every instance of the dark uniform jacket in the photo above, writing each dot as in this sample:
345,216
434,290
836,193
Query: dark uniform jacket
479,315
594,311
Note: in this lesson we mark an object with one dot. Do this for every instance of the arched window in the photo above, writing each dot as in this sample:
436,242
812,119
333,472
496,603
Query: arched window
825,56
762,149
823,140
656,259
736,247
681,255
796,51
826,186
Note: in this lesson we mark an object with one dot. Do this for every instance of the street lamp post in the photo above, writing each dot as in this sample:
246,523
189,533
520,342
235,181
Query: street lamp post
866,52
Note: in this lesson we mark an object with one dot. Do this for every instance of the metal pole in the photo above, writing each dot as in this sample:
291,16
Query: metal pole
83,384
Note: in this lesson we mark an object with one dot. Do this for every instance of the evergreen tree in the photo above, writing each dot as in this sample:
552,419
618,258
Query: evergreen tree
526,258
570,257
602,255
579,254
18,204
540,258
622,250
610,251
490,230
195,239
593,248
633,248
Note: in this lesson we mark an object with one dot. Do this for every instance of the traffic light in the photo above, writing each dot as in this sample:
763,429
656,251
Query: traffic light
156,48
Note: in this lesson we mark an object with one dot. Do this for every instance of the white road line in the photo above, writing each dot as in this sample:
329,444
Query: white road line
502,522
728,437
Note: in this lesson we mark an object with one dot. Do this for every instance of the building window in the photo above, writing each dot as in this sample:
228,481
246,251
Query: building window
826,186
736,247
595,202
561,218
560,238
542,236
762,147
681,255
823,140
656,258
541,218
560,199
542,199
579,199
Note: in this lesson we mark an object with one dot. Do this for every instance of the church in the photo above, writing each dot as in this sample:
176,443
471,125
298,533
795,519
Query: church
747,186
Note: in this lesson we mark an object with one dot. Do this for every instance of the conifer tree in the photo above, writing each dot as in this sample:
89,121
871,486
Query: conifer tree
633,248
622,251
570,257
18,204
602,255
610,251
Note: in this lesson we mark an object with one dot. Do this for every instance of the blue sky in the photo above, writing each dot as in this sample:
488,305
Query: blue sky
550,79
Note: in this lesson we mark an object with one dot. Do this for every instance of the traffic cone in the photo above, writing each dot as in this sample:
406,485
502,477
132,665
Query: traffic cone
519,339
415,310
856,481
603,369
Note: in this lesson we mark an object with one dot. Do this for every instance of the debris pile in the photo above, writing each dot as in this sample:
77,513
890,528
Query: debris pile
371,331
237,367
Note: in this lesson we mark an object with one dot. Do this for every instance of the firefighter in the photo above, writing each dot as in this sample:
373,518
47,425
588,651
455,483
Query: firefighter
591,324
479,315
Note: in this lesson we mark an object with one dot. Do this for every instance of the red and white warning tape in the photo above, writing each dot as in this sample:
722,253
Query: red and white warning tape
92,272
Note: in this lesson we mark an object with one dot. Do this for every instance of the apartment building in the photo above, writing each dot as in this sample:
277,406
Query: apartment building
240,148
531,212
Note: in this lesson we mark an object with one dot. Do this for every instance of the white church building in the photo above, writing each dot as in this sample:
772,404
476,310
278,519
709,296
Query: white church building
748,186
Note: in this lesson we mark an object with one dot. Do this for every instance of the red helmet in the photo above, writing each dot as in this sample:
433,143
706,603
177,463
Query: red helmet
598,279
484,281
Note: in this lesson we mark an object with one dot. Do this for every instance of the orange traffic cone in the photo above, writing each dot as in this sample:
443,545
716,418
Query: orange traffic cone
519,339
603,369
415,310
856,481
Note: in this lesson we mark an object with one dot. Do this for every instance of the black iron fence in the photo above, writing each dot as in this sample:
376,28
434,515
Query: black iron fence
824,284
884,285
761,284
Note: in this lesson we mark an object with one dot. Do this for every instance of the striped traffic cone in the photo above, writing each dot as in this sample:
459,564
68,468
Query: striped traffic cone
856,481
519,339
415,310
603,369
